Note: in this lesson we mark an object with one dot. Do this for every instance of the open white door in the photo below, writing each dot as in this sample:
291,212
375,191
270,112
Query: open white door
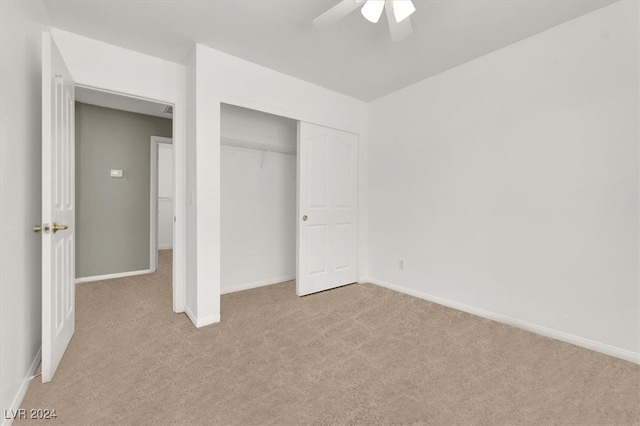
327,208
58,199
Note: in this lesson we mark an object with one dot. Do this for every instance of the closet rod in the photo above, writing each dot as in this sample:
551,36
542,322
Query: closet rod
256,145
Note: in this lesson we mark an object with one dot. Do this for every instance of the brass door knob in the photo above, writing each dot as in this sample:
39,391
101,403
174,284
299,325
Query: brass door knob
55,228
37,229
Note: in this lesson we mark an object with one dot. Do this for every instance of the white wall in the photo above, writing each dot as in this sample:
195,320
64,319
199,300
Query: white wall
258,200
203,183
509,185
218,77
21,29
191,191
259,127
103,66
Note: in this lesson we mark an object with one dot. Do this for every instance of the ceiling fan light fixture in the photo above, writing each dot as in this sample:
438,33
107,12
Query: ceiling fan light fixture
402,9
372,10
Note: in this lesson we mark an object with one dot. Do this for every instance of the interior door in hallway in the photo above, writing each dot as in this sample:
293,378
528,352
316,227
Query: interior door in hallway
327,208
58,205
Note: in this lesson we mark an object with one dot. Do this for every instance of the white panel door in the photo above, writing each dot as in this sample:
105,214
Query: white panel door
327,208
58,199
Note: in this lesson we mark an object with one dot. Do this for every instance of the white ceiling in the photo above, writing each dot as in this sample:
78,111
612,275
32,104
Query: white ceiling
353,57
123,103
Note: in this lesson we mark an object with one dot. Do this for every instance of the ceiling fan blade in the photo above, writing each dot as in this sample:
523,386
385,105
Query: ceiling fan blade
402,9
372,10
399,30
337,12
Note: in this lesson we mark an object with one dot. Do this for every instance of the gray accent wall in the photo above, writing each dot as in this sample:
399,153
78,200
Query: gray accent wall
112,214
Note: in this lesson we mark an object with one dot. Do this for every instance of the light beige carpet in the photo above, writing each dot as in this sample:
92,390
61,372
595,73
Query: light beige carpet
355,355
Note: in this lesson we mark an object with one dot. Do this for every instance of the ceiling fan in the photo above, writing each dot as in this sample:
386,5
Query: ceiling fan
398,12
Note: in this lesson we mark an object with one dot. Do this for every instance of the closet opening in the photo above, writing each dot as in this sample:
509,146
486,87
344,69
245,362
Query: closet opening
258,157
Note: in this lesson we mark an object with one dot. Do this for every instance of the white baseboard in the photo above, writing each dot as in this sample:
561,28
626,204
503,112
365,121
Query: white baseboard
256,284
22,391
201,322
166,246
534,328
112,276
190,315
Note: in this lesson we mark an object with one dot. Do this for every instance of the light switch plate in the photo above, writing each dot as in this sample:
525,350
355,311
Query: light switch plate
117,173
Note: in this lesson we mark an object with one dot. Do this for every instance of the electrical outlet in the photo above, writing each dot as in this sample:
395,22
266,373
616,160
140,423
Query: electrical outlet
401,263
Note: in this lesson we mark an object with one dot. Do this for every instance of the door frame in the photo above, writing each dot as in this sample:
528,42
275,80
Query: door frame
153,200
179,194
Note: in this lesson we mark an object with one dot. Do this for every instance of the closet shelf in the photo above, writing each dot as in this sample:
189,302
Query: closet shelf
238,143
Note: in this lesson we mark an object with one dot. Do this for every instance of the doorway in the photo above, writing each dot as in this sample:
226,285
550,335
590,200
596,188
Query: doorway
117,183
161,199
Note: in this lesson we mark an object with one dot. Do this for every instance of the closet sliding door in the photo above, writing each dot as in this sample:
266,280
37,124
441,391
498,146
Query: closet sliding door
327,208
